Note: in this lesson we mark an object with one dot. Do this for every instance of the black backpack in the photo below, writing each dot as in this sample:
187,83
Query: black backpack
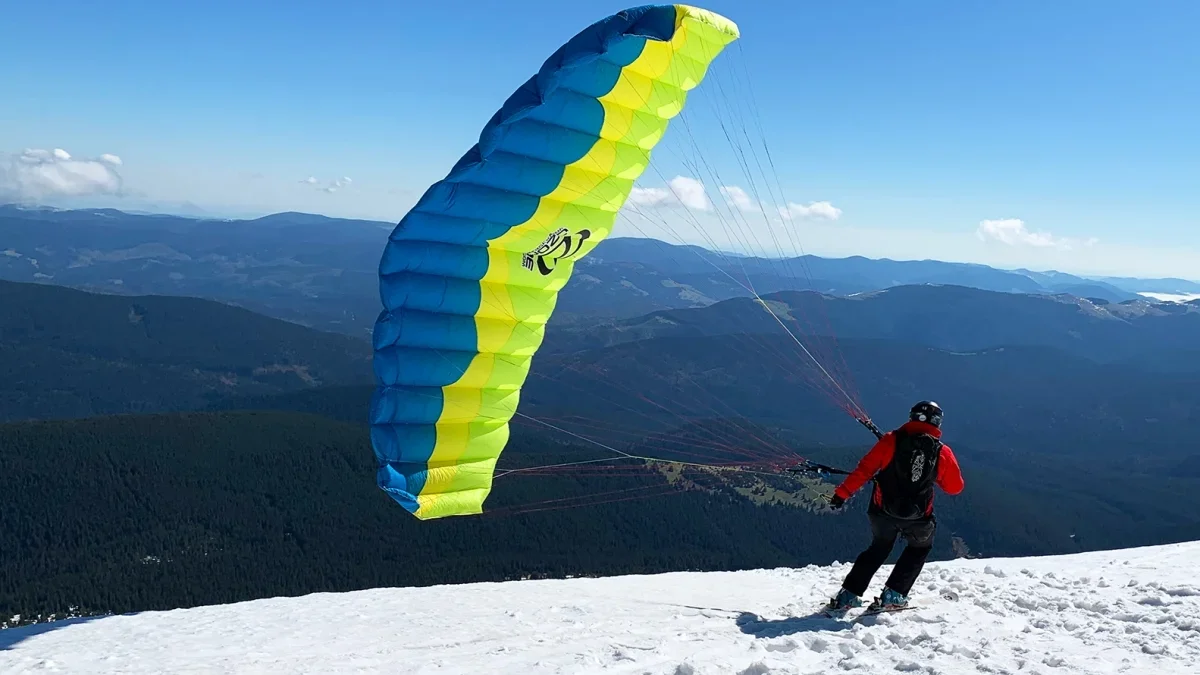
906,483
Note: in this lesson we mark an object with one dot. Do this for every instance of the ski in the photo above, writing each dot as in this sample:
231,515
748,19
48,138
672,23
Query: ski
887,610
842,614
835,614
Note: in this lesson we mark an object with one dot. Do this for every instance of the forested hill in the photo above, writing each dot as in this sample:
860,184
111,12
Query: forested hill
161,511
1073,372
1142,332
65,353
170,510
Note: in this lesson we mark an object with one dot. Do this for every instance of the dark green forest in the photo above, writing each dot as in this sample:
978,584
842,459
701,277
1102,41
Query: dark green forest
129,513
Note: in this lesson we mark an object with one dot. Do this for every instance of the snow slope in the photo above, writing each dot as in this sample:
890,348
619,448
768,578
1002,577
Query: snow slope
1134,611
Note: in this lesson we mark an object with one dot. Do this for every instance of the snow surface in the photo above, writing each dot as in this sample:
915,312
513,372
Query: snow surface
1133,611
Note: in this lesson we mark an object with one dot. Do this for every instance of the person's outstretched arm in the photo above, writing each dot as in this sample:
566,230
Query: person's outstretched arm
868,466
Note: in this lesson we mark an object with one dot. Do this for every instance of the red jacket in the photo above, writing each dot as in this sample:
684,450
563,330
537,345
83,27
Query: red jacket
949,477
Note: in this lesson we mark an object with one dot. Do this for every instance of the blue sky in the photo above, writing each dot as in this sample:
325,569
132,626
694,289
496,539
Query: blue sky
1043,134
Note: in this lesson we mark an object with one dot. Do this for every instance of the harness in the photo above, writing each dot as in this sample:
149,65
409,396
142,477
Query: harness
905,485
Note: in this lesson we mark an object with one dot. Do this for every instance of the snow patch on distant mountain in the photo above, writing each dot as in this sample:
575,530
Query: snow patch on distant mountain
1172,297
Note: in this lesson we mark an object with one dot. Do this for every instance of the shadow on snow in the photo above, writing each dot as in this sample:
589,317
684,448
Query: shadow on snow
817,622
11,637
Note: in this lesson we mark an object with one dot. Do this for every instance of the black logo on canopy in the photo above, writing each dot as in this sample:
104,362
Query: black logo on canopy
559,245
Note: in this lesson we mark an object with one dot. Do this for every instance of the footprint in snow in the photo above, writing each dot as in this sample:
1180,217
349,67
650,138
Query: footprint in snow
784,646
756,669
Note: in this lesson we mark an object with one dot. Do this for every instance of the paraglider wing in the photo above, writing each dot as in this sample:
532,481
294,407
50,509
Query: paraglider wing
471,274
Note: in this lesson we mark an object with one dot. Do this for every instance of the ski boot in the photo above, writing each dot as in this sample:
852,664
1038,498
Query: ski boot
841,603
890,601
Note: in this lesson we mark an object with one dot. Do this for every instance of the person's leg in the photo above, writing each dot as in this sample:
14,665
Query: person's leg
883,538
918,544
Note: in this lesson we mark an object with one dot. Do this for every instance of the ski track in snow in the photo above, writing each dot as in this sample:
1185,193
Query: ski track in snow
1135,611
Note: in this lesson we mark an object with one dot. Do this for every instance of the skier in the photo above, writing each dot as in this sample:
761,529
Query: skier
905,464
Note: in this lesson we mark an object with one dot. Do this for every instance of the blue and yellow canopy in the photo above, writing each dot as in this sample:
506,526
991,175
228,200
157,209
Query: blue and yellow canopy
471,274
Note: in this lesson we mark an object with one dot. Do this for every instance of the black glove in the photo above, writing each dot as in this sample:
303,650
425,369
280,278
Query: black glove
836,502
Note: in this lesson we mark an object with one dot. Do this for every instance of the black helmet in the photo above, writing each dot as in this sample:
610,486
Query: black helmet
926,411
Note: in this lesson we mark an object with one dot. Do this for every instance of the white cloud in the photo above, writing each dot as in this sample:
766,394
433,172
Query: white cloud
649,196
1014,232
333,186
38,174
688,191
338,184
823,210
738,198
691,193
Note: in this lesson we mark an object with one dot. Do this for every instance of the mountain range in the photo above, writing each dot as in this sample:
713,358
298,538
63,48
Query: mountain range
322,272
953,318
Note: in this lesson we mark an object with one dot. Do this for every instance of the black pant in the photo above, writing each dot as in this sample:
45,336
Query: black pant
884,530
